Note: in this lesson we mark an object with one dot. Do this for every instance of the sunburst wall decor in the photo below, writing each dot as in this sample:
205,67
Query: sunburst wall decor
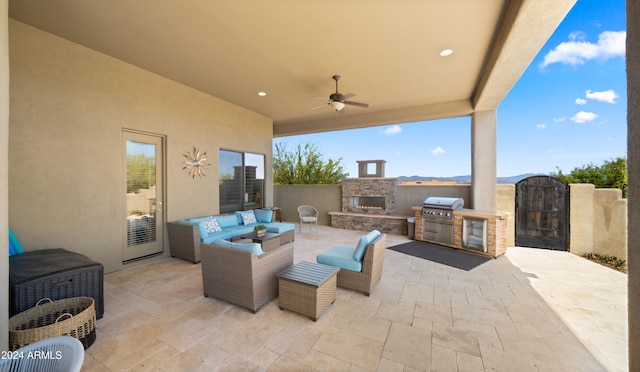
195,163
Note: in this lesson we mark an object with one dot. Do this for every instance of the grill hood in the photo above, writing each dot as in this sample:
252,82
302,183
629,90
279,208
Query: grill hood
443,203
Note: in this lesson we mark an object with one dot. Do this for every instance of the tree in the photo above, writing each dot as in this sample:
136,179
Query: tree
305,165
611,174
141,172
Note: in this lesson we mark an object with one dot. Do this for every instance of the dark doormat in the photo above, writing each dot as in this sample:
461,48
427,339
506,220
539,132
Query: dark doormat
440,254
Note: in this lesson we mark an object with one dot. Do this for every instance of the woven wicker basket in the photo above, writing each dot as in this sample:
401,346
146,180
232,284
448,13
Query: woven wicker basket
75,317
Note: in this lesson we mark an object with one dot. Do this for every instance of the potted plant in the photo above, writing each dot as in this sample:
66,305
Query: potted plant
260,230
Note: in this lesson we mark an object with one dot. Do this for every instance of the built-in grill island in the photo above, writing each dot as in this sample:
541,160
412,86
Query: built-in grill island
437,214
445,221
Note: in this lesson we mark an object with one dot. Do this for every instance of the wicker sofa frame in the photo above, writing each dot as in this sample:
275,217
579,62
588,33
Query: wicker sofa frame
243,278
185,243
372,264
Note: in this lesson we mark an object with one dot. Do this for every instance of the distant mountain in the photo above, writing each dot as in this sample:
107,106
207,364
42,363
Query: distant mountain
466,179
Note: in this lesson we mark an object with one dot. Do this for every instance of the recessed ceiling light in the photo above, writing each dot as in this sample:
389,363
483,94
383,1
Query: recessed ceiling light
446,52
262,94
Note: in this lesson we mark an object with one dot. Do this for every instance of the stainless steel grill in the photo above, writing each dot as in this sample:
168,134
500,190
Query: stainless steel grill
441,208
437,214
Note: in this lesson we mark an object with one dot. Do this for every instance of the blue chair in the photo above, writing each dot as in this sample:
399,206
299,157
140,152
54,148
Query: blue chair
360,267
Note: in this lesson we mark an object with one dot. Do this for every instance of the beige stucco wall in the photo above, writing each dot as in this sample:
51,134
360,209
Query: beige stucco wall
581,218
412,196
325,198
610,223
597,217
69,105
506,201
4,173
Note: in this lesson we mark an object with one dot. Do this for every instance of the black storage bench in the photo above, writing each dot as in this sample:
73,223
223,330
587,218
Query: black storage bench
55,274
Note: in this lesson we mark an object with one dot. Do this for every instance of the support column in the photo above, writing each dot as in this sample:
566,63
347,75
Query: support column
4,174
484,188
633,174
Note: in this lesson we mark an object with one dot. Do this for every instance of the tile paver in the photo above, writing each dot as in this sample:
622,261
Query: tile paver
528,310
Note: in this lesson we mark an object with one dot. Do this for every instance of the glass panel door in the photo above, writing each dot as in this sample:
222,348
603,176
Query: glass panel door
143,212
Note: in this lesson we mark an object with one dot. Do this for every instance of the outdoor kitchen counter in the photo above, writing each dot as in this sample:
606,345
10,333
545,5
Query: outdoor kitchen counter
496,229
480,214
470,212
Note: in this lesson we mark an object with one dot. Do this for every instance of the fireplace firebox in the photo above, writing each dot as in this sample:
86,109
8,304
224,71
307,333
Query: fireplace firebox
367,202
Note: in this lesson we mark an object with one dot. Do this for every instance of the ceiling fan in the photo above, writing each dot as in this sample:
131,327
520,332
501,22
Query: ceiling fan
338,101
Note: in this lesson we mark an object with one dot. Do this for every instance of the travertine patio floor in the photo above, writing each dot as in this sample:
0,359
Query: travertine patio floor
528,310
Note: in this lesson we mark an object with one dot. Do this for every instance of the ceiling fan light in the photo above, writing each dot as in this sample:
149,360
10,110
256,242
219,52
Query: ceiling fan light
337,105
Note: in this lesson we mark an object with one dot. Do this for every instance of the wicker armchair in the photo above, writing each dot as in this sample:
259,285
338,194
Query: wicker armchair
243,278
372,263
308,214
370,267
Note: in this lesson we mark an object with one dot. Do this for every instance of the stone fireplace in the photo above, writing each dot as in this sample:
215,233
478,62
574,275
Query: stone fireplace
369,195
369,201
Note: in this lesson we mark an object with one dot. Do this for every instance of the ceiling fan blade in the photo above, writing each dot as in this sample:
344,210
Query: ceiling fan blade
359,104
348,95
321,106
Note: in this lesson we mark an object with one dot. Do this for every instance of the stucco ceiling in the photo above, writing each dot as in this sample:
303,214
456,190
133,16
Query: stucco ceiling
387,52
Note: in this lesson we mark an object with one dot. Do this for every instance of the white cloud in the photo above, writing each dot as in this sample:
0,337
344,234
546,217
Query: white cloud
577,35
437,151
541,126
393,130
559,120
608,96
583,117
581,101
576,52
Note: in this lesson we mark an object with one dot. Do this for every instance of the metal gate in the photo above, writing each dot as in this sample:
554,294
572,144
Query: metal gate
542,213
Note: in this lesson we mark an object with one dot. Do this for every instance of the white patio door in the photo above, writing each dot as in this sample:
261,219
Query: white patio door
143,190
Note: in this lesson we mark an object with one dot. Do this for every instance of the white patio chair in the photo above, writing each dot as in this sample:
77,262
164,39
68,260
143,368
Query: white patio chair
309,215
55,354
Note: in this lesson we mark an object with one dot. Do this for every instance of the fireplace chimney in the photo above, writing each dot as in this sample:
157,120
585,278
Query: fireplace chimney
371,168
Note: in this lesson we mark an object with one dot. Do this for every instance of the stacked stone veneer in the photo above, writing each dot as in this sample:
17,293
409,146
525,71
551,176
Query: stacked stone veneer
371,187
363,219
496,232
368,222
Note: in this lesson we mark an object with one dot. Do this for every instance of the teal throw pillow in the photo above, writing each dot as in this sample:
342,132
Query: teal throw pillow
17,247
263,215
11,250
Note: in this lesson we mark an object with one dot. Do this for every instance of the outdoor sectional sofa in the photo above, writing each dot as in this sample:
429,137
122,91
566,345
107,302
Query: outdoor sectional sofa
241,273
186,236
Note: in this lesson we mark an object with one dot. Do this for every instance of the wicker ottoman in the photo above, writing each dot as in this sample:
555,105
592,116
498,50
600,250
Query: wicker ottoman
307,288
55,274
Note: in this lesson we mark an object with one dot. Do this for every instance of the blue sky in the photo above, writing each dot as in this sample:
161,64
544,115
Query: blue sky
567,110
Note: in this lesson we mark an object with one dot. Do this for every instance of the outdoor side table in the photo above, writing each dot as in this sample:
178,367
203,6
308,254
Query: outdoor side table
307,288
276,214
